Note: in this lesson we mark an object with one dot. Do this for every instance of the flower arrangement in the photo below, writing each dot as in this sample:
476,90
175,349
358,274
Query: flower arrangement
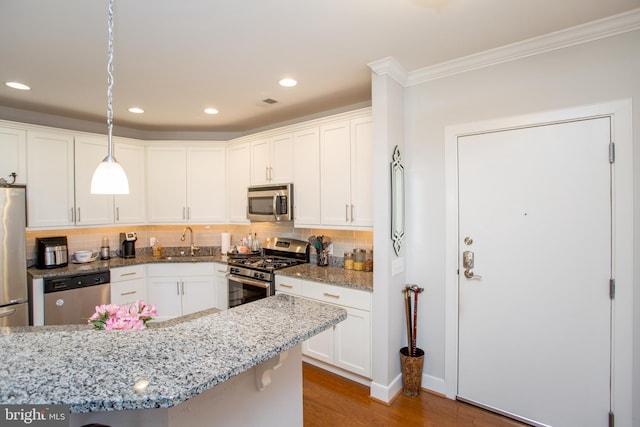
125,317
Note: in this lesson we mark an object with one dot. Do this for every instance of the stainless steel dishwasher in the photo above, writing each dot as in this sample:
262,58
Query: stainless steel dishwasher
71,300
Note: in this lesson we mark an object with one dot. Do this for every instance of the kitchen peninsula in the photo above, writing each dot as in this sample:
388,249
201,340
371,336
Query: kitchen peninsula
236,367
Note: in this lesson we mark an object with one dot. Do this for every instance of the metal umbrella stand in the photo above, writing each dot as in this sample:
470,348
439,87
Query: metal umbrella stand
411,357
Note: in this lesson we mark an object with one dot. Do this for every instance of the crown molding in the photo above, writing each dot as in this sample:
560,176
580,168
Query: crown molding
603,28
391,67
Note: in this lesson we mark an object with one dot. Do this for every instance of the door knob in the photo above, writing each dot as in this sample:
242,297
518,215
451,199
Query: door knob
467,263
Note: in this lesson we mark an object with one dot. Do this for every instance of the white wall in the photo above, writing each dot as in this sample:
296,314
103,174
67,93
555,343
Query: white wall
595,72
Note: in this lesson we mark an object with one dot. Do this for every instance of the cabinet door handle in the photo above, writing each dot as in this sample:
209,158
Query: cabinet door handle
270,173
346,213
188,212
133,273
182,287
352,217
73,211
117,214
326,294
184,212
266,173
284,285
178,288
127,293
79,215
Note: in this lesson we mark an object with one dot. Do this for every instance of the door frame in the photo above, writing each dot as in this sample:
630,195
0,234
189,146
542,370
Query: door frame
622,211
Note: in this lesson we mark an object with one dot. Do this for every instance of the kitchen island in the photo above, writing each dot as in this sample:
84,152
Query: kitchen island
213,369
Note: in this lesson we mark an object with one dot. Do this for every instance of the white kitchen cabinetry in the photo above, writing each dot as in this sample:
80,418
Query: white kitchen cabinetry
131,208
347,345
238,179
128,284
181,288
272,160
50,198
222,287
186,184
91,209
13,146
346,170
306,177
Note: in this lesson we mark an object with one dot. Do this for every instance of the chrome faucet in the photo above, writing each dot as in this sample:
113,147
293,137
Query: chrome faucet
192,246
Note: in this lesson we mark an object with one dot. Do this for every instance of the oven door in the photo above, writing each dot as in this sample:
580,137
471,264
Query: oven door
244,289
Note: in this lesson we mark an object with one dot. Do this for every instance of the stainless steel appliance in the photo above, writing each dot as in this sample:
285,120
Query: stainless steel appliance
250,277
271,203
128,244
14,302
52,252
70,300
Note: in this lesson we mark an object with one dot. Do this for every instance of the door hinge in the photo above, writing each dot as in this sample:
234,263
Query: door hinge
611,419
612,288
612,152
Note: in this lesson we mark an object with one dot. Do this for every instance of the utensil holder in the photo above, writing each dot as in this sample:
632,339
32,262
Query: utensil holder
323,258
411,371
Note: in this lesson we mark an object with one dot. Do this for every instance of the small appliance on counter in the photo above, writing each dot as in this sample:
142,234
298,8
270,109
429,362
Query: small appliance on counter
51,252
128,244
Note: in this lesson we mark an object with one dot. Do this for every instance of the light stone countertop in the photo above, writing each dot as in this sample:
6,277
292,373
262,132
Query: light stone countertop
333,275
96,370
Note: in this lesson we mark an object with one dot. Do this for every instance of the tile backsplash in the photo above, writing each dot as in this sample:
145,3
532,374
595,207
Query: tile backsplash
204,235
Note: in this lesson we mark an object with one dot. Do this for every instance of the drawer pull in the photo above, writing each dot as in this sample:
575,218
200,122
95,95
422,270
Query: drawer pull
133,273
326,294
283,285
127,293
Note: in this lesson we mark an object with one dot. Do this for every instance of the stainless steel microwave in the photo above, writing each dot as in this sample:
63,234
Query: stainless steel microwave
271,203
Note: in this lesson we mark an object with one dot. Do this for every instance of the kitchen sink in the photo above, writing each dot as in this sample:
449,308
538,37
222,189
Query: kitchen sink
186,257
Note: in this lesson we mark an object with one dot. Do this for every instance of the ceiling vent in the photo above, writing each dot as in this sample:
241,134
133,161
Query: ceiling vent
269,101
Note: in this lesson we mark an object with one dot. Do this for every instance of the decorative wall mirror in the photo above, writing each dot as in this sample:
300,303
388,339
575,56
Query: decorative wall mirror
397,201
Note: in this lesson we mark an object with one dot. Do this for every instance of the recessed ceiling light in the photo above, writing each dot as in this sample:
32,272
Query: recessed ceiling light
288,82
18,85
211,111
136,110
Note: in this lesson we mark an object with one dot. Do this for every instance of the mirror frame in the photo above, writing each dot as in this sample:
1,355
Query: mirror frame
397,201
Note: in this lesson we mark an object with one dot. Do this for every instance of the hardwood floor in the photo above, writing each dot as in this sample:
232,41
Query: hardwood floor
330,400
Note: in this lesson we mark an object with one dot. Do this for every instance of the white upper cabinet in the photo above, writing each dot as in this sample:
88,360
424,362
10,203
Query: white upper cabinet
166,184
206,184
346,170
13,158
131,208
91,209
272,160
186,184
50,197
306,177
238,179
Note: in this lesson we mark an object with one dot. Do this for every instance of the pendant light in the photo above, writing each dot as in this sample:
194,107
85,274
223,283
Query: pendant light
109,177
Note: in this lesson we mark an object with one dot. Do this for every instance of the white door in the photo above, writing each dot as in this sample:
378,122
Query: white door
534,329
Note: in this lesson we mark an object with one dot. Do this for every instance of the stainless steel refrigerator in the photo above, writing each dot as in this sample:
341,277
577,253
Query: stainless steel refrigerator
14,303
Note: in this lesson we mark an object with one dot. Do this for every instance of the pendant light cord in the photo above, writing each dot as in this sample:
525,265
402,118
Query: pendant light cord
110,85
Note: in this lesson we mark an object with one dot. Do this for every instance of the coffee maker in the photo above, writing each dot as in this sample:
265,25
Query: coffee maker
128,244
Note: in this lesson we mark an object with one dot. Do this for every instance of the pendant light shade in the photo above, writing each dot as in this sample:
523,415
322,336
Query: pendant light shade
109,177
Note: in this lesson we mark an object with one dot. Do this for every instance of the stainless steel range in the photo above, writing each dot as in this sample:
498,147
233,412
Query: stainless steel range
251,277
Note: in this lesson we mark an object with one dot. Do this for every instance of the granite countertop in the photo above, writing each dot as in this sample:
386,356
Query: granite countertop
333,275
96,370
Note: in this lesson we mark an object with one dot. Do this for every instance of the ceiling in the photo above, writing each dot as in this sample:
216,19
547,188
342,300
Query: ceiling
173,58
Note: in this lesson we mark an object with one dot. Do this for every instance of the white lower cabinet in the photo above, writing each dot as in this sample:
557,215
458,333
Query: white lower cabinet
222,286
181,288
128,284
348,344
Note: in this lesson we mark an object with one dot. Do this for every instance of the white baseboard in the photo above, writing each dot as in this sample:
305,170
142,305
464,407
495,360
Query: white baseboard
334,370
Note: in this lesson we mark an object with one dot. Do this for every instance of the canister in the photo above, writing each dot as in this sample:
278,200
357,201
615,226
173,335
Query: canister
358,262
368,260
348,260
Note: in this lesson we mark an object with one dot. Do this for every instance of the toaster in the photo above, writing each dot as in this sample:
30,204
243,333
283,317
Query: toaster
51,252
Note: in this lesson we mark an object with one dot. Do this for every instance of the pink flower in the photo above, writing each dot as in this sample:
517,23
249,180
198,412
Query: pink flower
124,317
